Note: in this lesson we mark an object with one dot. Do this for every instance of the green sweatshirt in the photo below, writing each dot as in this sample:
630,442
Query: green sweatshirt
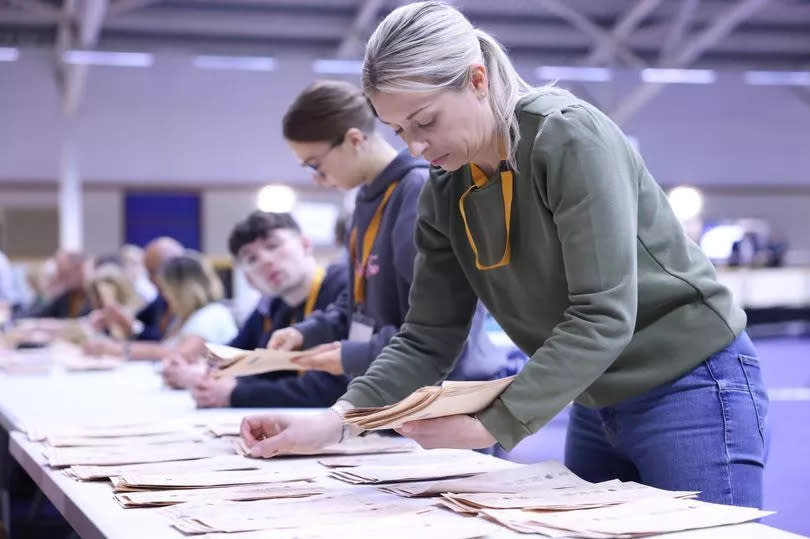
603,289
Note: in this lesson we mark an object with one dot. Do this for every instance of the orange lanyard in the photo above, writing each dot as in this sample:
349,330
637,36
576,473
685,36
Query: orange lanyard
507,187
314,291
368,241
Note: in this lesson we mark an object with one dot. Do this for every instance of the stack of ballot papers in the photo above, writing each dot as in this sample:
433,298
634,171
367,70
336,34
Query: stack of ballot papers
161,498
168,480
353,446
59,457
451,398
412,468
330,509
213,464
40,433
628,520
427,525
612,492
546,475
229,361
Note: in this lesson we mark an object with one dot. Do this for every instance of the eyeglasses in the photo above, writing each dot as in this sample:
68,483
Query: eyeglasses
316,167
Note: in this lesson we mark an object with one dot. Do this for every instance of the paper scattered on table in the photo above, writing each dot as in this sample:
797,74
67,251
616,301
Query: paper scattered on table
404,471
636,519
206,479
451,398
160,498
59,457
548,475
212,464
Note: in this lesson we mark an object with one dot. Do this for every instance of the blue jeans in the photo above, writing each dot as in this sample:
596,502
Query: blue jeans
705,431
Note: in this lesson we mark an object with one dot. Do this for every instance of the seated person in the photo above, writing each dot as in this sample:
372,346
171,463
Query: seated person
151,322
193,291
108,286
277,261
71,299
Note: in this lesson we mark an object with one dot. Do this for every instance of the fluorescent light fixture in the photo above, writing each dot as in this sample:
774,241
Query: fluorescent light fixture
338,67
236,63
9,54
276,198
108,58
778,78
678,76
586,74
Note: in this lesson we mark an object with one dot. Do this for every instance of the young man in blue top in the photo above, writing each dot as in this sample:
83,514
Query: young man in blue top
277,261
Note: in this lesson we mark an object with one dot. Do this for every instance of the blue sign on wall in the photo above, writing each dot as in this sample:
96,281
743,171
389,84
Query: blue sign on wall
149,214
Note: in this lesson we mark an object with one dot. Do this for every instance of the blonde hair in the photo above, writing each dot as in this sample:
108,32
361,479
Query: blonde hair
113,276
189,283
428,46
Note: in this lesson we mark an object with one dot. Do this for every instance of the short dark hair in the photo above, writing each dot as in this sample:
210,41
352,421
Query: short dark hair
325,110
258,225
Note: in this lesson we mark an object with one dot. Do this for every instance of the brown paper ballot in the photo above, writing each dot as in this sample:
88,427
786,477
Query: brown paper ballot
161,498
213,464
206,479
451,398
655,516
354,446
230,361
546,475
59,457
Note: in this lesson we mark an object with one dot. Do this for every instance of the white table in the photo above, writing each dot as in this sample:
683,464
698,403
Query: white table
135,392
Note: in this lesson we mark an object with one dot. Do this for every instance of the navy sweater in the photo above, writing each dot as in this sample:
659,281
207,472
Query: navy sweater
388,281
287,388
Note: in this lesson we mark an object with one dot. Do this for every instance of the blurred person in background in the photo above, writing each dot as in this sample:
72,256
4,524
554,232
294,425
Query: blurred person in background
152,321
70,300
193,292
109,285
132,258
277,260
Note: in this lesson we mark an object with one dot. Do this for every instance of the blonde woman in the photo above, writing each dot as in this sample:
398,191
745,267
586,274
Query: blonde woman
539,207
193,291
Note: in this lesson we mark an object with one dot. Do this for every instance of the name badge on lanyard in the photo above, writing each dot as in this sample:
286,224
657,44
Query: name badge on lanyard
362,327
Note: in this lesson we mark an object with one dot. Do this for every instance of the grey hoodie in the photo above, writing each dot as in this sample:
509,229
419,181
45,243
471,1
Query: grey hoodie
388,281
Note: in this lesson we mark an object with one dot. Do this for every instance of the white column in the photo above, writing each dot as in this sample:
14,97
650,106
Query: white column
70,196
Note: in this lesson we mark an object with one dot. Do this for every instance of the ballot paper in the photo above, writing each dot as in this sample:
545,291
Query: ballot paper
59,457
39,433
225,428
160,498
425,525
93,441
422,457
546,475
353,446
25,362
230,361
636,519
451,398
168,480
565,499
373,474
212,464
73,358
291,515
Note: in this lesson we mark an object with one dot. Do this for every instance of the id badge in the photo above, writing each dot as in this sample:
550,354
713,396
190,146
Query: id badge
362,328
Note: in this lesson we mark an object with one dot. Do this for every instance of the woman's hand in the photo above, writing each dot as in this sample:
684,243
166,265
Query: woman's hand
270,434
453,432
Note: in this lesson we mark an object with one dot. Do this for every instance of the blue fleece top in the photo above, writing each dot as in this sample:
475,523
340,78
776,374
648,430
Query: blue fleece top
286,388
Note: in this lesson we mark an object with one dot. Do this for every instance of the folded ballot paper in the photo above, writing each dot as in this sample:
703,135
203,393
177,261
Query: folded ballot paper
416,471
229,361
219,463
272,491
636,519
360,445
174,480
60,457
451,398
